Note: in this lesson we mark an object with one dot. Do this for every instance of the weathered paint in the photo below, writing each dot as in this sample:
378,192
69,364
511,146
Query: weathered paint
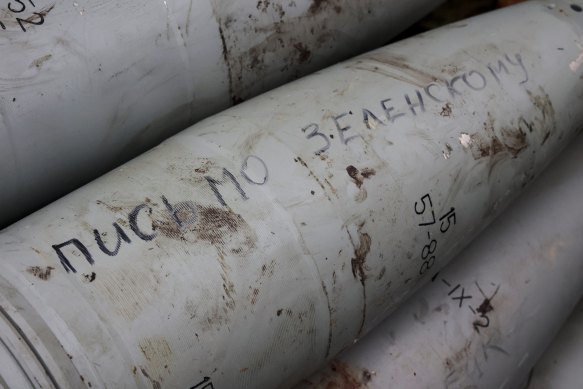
86,85
261,242
485,319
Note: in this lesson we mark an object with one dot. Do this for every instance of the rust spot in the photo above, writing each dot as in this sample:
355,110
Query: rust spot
320,5
446,110
359,176
43,273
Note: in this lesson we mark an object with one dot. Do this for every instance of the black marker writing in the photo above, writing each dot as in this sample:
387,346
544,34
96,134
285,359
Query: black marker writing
121,235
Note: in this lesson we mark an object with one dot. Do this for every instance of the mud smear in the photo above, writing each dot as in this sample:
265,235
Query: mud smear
268,48
43,273
221,227
361,250
304,52
319,6
158,353
340,375
358,176
456,362
543,104
155,384
512,140
225,229
446,110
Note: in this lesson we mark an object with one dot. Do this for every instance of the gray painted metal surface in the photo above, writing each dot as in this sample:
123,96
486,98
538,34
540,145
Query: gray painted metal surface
560,365
485,319
263,241
87,85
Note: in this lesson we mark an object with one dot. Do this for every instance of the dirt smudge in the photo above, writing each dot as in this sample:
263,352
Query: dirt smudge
220,227
42,273
544,105
318,6
155,383
340,375
264,49
361,250
358,176
304,53
512,140
446,110
38,63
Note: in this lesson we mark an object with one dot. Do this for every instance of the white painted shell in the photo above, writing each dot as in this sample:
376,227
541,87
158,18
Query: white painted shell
485,319
263,241
88,84
560,365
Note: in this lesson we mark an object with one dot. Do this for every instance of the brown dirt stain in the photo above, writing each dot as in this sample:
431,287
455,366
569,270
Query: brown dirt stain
358,176
318,6
221,227
544,105
446,110
155,383
361,250
304,53
42,273
512,140
265,43
340,375
38,63
159,355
